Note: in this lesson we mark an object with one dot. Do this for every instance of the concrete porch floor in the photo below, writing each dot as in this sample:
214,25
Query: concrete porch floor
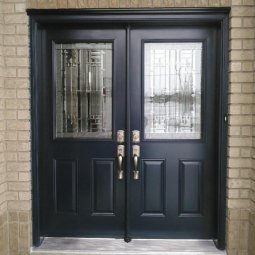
99,246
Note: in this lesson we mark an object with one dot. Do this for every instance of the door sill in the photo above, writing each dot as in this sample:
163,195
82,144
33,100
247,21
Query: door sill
107,246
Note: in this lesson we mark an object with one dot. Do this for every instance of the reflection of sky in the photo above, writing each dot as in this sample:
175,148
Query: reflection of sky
170,66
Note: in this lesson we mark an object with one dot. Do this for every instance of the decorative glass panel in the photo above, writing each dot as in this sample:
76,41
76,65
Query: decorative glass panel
84,90
172,90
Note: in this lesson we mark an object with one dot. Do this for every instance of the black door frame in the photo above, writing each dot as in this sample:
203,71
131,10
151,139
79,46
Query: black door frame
219,17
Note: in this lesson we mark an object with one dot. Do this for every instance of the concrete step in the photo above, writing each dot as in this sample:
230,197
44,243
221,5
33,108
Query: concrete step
106,246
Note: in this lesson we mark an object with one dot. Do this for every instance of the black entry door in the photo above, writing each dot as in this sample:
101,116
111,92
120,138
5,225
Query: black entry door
81,100
173,105
82,106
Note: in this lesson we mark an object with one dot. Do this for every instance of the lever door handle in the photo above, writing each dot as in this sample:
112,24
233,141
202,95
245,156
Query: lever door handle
136,171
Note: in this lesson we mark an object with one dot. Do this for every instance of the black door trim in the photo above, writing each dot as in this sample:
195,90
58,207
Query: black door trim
127,236
127,17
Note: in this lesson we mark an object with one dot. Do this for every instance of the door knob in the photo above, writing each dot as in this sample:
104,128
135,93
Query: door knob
120,155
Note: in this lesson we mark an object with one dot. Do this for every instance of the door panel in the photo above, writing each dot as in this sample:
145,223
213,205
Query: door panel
65,186
190,190
103,187
153,198
81,108
173,104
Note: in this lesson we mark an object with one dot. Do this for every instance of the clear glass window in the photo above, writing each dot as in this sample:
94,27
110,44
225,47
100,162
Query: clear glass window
84,90
172,90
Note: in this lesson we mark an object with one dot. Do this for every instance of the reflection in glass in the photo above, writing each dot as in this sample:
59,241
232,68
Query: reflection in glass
84,90
172,90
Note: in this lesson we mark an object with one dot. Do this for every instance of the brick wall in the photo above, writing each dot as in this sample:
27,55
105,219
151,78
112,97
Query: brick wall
15,195
15,111
2,169
240,128
3,184
252,191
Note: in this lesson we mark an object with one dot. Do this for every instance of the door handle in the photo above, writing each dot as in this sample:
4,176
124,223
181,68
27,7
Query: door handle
120,155
136,155
136,171
120,170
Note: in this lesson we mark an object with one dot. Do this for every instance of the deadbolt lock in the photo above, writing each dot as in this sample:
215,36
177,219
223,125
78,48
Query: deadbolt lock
136,136
120,136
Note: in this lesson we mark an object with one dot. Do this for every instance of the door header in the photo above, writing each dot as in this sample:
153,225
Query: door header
176,16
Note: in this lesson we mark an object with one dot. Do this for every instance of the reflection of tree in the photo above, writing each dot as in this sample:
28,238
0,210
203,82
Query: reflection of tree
184,76
175,109
181,97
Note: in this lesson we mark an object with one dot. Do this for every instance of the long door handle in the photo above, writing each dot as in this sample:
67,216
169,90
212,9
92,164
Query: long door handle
120,155
136,155
120,170
136,171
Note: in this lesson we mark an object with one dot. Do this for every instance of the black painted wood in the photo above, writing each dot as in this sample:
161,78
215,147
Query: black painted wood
42,20
222,71
190,188
100,195
174,225
127,234
129,16
65,186
153,187
103,190
34,41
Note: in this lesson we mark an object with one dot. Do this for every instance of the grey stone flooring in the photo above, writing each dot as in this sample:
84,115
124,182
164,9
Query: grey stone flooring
98,246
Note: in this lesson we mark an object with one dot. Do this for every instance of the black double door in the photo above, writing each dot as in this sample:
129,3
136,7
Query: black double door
128,132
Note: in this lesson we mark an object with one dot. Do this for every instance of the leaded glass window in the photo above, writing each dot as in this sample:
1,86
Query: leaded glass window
172,90
84,90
